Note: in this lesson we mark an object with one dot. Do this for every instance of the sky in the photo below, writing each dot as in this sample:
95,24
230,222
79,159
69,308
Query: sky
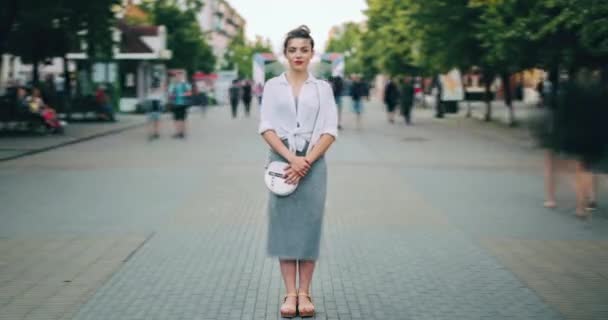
274,18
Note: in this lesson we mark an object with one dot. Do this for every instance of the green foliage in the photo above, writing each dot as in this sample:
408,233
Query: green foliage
501,36
39,30
349,42
566,33
387,38
239,54
184,36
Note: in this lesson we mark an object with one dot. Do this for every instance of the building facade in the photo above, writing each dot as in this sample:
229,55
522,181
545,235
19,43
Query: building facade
220,23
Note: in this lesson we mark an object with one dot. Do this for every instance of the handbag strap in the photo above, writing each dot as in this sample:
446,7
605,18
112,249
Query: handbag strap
317,116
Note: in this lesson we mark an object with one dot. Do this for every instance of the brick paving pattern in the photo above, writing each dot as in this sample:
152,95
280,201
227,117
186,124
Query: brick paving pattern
435,221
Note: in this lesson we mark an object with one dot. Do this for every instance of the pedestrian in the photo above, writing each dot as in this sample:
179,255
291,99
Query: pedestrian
104,105
49,91
337,85
407,99
203,95
27,108
581,115
540,92
391,97
357,92
155,109
258,90
439,103
234,92
544,130
46,112
299,123
246,96
21,101
180,92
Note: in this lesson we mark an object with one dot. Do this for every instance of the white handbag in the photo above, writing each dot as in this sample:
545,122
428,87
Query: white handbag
275,179
274,175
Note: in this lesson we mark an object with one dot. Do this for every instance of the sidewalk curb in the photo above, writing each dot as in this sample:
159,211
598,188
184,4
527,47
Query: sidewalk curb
75,141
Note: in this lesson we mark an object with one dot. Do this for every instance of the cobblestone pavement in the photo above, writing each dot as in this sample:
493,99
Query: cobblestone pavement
440,220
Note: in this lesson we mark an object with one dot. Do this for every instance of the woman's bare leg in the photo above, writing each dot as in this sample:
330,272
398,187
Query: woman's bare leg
580,187
549,179
288,271
307,268
593,188
588,187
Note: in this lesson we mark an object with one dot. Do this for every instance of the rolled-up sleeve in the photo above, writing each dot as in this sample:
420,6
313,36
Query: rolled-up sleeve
266,111
331,114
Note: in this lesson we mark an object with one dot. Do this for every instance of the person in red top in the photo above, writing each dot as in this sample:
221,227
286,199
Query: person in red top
103,103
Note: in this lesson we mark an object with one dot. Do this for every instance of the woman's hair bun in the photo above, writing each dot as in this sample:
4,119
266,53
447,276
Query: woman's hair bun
300,32
304,28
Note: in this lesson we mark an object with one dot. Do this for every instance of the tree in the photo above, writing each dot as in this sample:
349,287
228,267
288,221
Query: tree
8,16
505,40
239,54
39,30
348,42
554,35
185,39
33,36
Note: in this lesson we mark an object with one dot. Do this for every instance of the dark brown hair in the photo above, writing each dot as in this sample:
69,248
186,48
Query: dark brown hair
302,32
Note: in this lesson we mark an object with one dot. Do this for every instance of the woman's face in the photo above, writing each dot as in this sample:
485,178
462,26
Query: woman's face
299,53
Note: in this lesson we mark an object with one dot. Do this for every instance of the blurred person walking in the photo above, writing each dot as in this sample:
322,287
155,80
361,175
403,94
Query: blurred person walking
407,99
544,129
246,96
234,92
337,85
357,92
583,137
258,90
572,127
391,98
180,92
439,103
299,123
155,109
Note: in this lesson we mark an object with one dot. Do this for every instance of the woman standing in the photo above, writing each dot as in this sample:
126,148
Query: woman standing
299,122
391,97
246,96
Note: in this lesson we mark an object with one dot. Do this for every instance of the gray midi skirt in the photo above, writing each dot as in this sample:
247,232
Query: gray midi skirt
295,221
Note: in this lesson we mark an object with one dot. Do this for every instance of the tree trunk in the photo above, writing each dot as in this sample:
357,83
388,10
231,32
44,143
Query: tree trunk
67,84
36,73
67,89
488,98
554,79
506,84
464,89
11,7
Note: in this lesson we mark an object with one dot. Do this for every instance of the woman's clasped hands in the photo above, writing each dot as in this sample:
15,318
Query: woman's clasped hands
297,169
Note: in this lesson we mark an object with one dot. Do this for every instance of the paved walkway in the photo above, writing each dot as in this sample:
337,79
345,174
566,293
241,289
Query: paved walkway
14,145
435,221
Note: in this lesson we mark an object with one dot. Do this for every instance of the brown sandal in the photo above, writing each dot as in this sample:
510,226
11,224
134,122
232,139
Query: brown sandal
289,314
310,313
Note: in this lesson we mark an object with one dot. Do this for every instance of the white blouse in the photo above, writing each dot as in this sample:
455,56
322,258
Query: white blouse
295,122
